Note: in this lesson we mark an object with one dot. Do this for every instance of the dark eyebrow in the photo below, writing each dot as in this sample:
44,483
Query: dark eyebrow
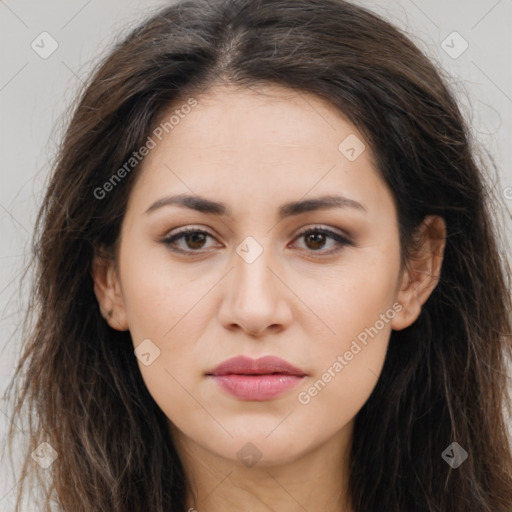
204,205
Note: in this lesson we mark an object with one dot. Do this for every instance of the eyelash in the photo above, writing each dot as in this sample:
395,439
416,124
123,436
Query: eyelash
341,240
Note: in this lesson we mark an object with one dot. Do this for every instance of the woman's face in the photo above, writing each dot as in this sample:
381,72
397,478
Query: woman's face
250,283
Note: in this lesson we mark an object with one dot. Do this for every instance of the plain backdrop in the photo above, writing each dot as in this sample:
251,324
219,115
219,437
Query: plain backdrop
35,92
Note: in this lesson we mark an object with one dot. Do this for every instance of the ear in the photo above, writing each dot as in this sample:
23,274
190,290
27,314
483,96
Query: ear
421,272
108,291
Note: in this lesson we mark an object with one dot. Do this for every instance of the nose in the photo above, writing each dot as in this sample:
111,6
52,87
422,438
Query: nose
255,299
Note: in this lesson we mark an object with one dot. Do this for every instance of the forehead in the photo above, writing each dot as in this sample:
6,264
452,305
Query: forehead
267,141
229,117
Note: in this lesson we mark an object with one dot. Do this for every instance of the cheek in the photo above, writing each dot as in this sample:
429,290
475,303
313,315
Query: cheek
352,297
357,304
166,304
159,294
331,400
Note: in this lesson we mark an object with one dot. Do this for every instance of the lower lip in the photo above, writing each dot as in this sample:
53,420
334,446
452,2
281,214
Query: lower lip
257,387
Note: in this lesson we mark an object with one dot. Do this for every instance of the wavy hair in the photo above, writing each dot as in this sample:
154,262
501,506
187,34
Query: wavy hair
444,377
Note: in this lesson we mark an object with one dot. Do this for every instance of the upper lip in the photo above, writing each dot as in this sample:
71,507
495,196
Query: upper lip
241,365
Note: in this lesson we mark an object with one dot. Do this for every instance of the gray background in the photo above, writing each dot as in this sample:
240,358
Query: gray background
35,92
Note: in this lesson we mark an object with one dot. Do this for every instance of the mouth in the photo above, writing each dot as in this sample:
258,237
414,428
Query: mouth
256,379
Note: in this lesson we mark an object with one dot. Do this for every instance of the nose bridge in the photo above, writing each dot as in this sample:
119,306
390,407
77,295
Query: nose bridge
252,278
254,300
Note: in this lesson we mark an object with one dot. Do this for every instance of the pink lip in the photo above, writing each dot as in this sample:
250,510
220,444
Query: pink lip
256,379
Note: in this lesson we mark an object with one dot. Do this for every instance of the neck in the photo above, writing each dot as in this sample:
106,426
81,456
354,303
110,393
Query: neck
316,480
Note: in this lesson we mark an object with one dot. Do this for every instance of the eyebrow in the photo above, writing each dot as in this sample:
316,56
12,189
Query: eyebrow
204,205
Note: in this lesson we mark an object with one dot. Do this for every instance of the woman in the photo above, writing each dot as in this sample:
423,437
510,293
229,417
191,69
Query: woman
268,277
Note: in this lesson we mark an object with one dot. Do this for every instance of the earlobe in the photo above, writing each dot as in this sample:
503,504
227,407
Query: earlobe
422,272
108,292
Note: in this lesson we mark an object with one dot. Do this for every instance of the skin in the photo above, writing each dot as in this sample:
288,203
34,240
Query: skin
254,149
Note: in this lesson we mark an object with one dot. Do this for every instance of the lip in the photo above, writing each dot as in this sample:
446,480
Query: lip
256,379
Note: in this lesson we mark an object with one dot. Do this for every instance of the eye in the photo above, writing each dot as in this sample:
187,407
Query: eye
316,238
193,238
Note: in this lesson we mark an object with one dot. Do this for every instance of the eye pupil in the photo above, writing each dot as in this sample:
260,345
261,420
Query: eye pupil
317,238
196,237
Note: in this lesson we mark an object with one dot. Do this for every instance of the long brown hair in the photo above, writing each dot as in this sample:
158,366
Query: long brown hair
444,379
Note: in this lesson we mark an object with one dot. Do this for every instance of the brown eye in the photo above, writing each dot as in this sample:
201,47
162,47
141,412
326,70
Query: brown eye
194,239
316,239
